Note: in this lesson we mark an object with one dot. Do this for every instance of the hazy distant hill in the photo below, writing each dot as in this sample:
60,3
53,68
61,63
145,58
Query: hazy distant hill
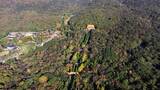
50,4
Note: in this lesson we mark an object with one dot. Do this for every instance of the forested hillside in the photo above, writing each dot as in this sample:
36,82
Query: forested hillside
121,51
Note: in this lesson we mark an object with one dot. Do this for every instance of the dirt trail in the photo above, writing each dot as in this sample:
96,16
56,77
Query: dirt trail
68,19
55,35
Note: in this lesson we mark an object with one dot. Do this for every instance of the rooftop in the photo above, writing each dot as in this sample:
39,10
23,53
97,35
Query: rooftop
90,27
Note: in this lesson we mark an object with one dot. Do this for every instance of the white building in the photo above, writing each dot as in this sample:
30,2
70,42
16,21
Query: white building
12,35
11,47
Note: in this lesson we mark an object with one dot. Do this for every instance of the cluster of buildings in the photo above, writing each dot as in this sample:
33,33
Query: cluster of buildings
10,47
19,35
